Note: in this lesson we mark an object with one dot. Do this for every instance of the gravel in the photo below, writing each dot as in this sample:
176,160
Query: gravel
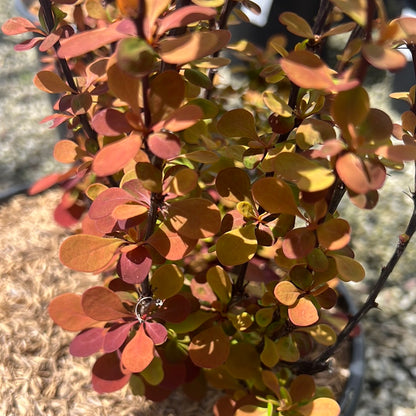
390,379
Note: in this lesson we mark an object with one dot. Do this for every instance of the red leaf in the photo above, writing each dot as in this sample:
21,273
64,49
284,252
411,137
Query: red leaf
107,375
110,122
107,200
87,41
66,311
298,243
18,25
139,352
54,120
27,44
116,335
115,156
134,266
68,216
164,145
88,342
103,304
174,309
157,332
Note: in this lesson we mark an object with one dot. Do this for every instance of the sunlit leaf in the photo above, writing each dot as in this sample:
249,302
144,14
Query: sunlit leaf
382,57
87,41
220,282
360,175
186,48
134,266
50,82
306,174
198,78
184,16
88,253
126,211
206,224
322,406
233,184
287,293
18,25
398,153
237,246
304,313
164,145
275,196
65,151
110,122
334,234
209,3
277,104
238,123
296,25
102,304
139,352
182,118
115,156
156,331
298,243
348,268
209,348
183,182
167,281
170,244
67,312
356,9
312,132
107,375
322,333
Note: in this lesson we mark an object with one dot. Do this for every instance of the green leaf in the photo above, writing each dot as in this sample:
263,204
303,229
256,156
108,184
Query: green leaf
237,246
150,176
153,373
243,352
88,253
287,349
238,123
308,175
167,281
233,184
220,282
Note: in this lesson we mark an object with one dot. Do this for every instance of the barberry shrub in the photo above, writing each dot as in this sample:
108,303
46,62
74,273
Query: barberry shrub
211,210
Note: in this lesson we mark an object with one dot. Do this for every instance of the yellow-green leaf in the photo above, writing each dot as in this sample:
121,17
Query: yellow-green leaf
277,104
220,282
348,268
308,175
167,281
237,246
270,355
238,123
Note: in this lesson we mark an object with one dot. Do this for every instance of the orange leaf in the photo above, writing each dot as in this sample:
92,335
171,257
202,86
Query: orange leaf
168,243
182,118
87,41
360,175
209,348
287,293
296,25
50,82
399,153
206,224
67,312
298,243
382,57
303,313
139,352
322,406
65,151
88,253
186,48
114,156
334,234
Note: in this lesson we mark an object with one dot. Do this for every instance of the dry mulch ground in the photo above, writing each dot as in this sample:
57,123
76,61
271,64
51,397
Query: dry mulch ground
38,376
